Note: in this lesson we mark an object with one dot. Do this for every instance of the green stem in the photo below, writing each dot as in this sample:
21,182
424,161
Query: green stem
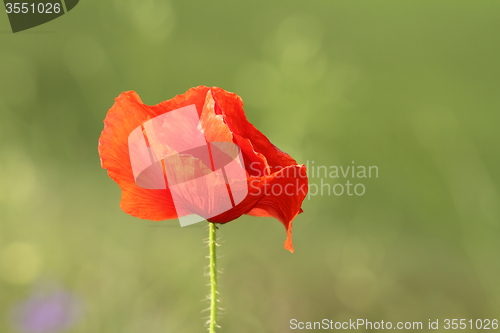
213,277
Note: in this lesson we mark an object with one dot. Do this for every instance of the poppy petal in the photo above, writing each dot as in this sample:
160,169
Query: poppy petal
125,115
284,198
255,163
279,195
231,106
212,124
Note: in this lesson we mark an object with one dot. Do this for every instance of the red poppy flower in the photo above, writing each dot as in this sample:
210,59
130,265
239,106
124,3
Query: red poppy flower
275,185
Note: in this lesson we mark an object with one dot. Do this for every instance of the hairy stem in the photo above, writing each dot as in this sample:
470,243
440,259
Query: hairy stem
213,277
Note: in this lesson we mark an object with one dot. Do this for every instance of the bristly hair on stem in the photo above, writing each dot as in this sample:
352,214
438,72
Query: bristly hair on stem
212,245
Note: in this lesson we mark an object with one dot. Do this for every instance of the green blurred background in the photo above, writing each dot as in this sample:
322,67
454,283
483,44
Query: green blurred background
409,86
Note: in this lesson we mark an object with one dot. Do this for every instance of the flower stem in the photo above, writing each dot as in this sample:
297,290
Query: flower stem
213,277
